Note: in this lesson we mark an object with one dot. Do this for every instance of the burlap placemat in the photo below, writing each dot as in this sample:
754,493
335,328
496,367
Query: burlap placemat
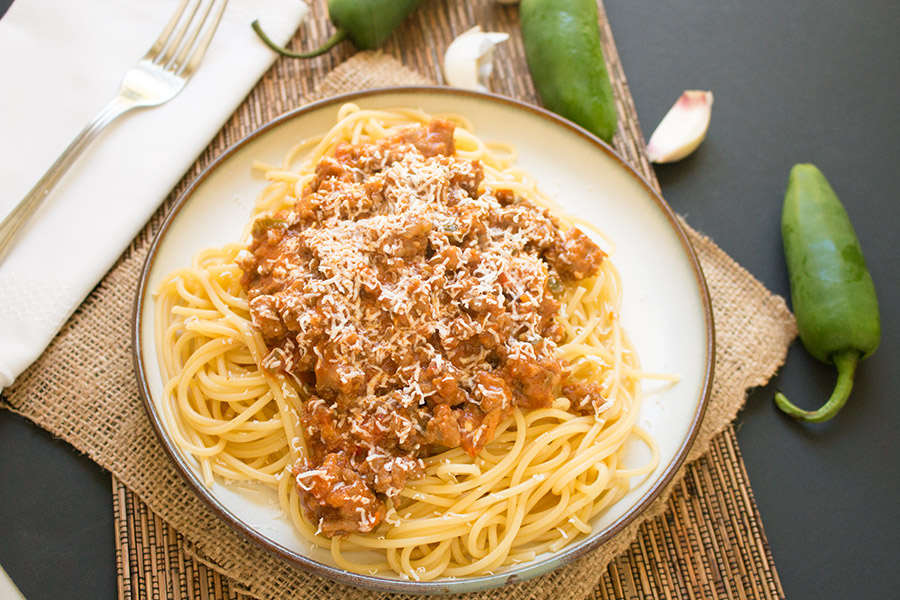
82,389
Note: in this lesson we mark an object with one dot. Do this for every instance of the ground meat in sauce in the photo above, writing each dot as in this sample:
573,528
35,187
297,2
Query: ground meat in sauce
414,311
585,397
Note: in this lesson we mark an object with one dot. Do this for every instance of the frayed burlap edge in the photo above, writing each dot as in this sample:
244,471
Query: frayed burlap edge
82,389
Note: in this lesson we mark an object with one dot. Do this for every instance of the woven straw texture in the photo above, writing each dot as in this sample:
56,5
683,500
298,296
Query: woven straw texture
701,539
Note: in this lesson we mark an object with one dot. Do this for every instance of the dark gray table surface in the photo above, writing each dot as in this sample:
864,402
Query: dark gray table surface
800,81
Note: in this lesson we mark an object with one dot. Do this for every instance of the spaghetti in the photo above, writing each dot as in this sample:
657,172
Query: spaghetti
530,484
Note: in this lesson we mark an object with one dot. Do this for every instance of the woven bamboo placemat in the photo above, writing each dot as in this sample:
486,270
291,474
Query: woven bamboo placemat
707,540
709,544
710,541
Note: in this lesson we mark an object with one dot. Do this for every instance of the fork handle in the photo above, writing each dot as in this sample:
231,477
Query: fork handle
26,207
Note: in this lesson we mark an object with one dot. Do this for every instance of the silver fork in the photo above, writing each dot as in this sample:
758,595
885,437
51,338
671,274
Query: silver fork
155,79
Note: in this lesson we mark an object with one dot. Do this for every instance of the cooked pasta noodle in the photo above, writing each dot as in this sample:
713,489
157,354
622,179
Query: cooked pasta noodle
534,488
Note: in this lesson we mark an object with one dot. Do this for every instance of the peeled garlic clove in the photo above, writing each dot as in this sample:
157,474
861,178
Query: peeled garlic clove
469,59
682,129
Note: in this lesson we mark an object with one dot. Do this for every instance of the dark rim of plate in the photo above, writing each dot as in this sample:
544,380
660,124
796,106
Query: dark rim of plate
441,586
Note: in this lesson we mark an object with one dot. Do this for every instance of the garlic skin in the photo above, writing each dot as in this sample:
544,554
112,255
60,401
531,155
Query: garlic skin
683,128
469,60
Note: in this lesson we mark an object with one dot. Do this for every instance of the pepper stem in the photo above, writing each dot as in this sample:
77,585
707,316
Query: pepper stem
846,367
339,36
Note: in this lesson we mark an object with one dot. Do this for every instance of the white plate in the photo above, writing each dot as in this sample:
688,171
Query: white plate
666,306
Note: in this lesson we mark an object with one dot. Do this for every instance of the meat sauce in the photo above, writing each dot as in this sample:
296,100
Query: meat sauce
414,309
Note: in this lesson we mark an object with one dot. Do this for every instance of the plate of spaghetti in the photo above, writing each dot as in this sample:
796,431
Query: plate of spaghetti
424,340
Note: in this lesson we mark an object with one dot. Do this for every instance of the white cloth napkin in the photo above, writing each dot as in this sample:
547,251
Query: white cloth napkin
60,63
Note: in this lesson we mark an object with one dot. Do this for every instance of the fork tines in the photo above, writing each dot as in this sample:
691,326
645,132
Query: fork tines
180,46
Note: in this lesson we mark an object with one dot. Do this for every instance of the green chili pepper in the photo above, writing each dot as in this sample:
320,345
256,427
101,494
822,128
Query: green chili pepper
366,23
831,289
562,45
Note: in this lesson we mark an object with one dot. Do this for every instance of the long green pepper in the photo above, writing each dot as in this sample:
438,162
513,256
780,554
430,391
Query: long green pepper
562,45
366,23
832,291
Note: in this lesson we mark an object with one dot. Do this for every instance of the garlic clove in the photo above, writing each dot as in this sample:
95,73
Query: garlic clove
469,60
683,128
